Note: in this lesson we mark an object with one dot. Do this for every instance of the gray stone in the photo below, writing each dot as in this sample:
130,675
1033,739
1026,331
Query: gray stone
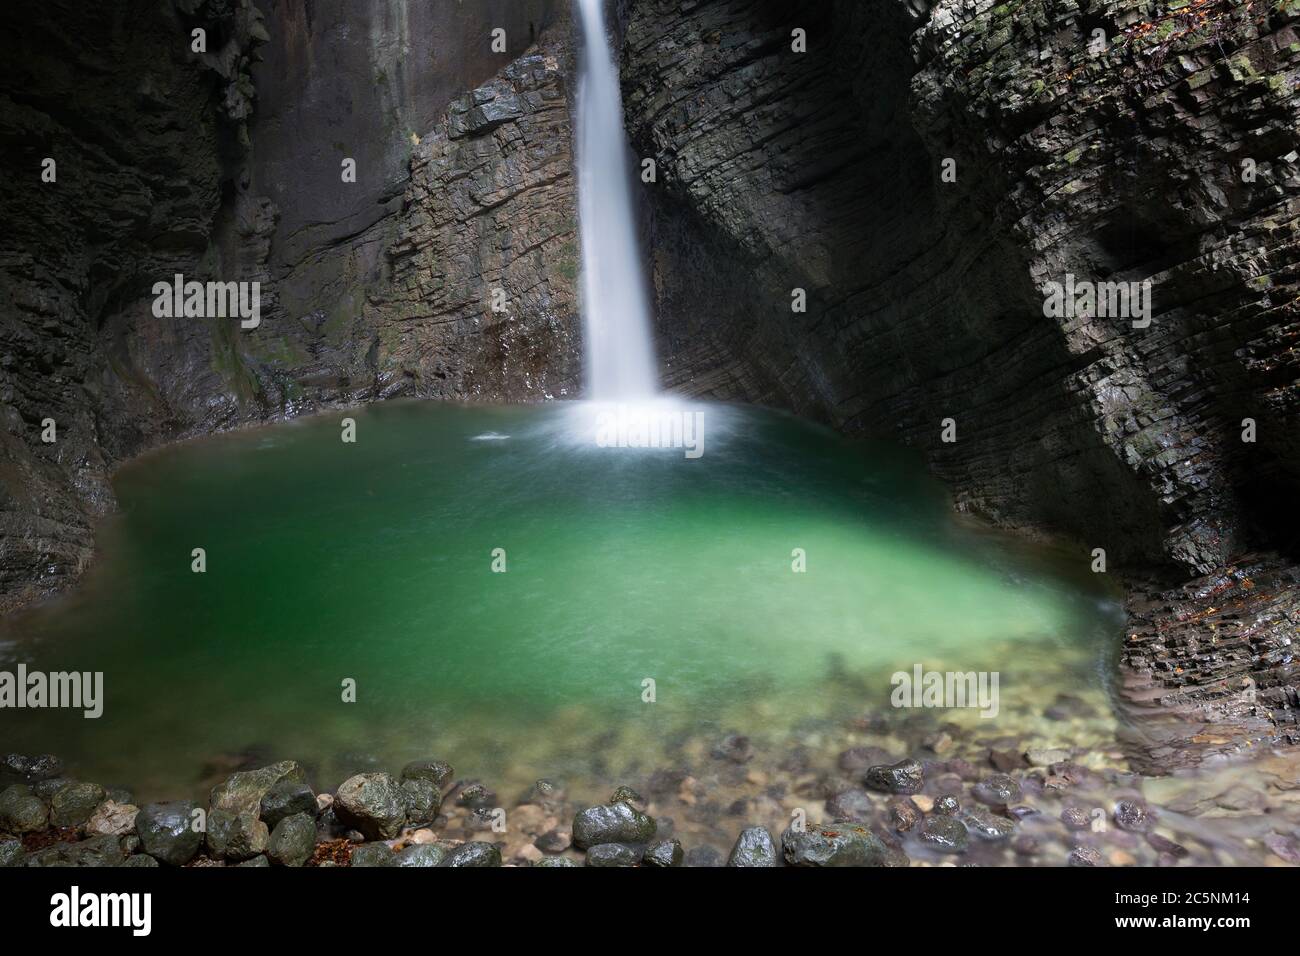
614,854
73,804
21,811
422,854
903,777
166,831
833,844
473,854
292,841
437,772
944,833
754,847
663,853
236,836
372,803
286,798
611,823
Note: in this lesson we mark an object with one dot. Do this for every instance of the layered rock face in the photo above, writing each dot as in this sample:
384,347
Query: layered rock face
445,267
1113,142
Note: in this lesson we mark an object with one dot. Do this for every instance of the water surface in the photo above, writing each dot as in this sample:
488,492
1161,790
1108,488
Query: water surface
373,562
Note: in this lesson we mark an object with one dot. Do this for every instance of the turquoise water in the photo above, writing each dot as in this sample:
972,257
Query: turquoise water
373,562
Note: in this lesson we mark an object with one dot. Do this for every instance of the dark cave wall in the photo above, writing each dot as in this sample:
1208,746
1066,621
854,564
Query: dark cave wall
226,166
821,171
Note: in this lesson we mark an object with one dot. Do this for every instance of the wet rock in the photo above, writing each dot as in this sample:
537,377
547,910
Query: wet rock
1134,816
906,776
1005,761
46,789
422,801
112,819
938,743
754,847
629,796
734,747
986,825
422,854
166,831
286,798
292,841
236,836
833,844
373,854
373,804
997,790
1046,758
256,862
903,815
947,805
856,760
11,853
72,804
555,861
554,841
1025,845
1280,846
97,851
21,811
475,796
612,823
545,791
437,772
473,854
944,833
1069,707
243,792
614,854
702,857
1086,856
43,767
1076,818
141,859
853,805
663,853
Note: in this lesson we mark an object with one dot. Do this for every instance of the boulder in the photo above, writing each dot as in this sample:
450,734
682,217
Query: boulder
833,844
373,804
72,804
473,854
21,811
112,819
292,841
236,836
243,792
166,831
754,847
611,823
614,854
286,798
437,772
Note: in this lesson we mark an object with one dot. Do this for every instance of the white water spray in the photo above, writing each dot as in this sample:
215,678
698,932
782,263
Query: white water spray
620,358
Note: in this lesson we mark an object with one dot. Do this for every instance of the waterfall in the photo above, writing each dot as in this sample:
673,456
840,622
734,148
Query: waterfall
616,310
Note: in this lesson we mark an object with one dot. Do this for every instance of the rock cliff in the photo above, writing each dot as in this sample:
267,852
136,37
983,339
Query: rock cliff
445,268
1114,141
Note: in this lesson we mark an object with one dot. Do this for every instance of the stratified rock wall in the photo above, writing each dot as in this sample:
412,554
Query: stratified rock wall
227,165
1126,162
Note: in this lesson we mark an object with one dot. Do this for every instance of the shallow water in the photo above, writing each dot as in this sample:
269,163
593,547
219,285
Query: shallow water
373,562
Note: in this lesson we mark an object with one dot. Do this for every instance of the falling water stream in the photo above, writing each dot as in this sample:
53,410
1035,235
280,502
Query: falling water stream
620,357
